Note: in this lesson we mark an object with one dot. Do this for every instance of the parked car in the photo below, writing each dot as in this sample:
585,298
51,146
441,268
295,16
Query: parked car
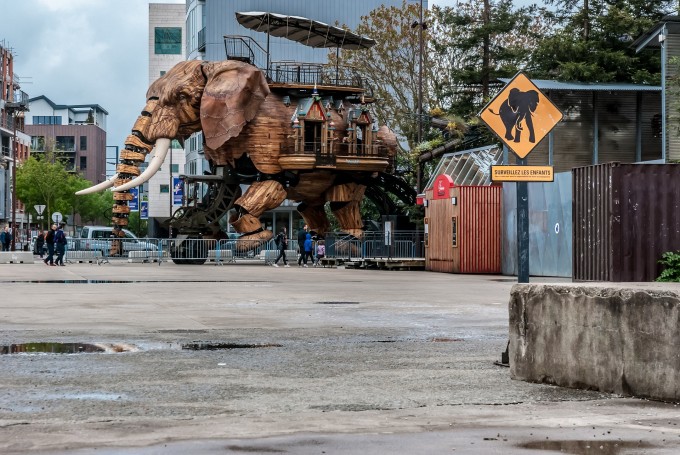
100,238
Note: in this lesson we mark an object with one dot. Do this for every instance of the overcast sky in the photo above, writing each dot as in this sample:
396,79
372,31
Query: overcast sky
86,52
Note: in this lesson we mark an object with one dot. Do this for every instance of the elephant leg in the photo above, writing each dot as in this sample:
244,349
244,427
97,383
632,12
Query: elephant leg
315,217
530,127
260,197
345,200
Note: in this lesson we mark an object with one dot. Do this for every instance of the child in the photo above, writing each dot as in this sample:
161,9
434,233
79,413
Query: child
320,251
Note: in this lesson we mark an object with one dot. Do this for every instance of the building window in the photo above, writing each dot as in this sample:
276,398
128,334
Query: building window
83,142
47,119
168,40
65,144
163,73
175,168
165,189
83,163
38,143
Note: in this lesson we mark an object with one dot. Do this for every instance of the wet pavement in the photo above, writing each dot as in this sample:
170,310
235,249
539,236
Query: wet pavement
147,359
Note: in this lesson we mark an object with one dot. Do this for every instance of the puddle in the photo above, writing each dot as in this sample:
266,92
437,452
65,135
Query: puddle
220,346
339,302
586,447
63,348
127,281
113,348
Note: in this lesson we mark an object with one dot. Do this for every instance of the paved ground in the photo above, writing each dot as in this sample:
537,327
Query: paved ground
310,361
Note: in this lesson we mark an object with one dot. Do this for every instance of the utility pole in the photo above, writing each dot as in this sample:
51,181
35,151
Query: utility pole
486,45
421,27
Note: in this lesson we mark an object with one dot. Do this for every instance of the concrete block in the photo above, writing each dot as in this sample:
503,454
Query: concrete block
142,256
619,340
16,257
224,255
83,256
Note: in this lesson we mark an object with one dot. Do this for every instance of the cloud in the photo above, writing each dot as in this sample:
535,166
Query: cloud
83,52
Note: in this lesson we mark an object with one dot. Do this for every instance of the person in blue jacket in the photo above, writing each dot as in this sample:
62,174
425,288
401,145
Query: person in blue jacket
309,247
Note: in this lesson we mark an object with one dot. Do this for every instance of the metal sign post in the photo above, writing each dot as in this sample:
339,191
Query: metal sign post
521,116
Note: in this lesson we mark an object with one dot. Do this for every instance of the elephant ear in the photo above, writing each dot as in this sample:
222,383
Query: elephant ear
232,96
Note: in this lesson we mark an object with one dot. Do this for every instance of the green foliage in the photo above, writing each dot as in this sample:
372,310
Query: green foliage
46,181
592,42
471,46
137,226
671,263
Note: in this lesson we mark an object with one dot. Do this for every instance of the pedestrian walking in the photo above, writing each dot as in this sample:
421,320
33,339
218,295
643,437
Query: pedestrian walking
301,237
49,241
40,244
320,252
5,239
309,249
282,243
60,244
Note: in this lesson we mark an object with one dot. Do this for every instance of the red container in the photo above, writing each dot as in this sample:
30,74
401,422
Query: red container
462,228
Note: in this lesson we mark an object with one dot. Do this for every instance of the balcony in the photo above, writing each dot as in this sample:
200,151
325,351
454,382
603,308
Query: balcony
19,103
347,157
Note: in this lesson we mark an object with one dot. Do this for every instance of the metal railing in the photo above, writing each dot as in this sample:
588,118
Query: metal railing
340,246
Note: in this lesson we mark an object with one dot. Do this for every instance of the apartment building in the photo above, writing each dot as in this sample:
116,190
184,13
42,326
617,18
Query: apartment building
75,133
14,143
166,49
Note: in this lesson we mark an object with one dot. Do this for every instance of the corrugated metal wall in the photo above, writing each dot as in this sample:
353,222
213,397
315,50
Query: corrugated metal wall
592,222
550,228
617,118
672,45
625,218
480,229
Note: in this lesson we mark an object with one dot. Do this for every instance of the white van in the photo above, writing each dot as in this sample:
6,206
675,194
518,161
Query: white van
98,238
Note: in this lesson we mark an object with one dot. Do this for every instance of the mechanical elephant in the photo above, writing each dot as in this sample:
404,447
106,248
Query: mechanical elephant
245,128
516,111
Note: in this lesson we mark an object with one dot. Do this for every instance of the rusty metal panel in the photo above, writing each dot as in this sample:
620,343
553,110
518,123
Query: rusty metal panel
480,229
591,223
648,197
625,217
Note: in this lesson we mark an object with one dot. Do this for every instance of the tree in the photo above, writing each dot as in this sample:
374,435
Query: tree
475,43
593,41
45,181
391,66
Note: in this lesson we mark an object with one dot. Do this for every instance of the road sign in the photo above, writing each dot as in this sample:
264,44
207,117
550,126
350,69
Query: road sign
39,208
522,174
521,115
57,217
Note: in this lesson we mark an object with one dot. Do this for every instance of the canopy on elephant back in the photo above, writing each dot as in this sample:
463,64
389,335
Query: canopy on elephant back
304,31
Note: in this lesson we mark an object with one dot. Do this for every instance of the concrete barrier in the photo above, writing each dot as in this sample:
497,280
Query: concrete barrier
83,256
16,257
142,256
620,340
269,256
223,256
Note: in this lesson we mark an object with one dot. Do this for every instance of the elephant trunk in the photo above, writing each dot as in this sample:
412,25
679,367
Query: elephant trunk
131,157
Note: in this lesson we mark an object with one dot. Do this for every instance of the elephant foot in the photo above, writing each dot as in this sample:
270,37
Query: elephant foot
253,241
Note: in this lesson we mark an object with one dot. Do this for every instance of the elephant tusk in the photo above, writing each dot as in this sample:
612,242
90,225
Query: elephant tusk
98,187
158,157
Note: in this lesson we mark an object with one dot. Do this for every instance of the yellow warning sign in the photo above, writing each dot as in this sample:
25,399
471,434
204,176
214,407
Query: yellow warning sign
522,174
521,115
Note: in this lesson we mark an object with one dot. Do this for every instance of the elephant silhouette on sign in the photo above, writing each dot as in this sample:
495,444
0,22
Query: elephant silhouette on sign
518,108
